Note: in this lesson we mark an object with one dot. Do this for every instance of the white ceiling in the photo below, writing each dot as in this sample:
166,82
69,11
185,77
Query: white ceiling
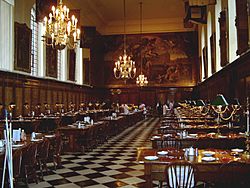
107,15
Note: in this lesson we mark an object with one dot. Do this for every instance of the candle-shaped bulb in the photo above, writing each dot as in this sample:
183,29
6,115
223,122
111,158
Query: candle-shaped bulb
67,12
73,19
74,35
53,9
78,33
76,22
45,19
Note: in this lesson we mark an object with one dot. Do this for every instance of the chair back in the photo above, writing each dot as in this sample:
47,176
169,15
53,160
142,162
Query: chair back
181,174
58,145
171,142
17,161
29,157
44,152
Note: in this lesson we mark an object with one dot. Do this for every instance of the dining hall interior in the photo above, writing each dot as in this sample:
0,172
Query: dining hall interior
124,93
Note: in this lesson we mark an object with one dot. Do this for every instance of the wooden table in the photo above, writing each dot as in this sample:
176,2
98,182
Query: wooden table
116,125
199,128
133,117
202,141
28,125
207,171
74,134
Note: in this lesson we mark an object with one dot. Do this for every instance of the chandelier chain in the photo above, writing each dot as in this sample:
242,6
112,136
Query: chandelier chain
124,66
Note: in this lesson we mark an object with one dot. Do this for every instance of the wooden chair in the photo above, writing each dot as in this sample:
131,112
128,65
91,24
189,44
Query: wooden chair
233,174
181,174
87,139
57,152
17,161
42,156
29,162
171,142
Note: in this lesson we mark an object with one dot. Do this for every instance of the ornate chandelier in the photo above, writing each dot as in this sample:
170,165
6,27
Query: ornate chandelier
124,67
141,80
60,30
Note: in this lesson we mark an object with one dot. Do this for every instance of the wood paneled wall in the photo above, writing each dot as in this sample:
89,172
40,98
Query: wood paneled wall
148,95
20,89
233,81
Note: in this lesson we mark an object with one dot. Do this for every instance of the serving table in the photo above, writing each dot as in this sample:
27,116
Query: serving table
207,170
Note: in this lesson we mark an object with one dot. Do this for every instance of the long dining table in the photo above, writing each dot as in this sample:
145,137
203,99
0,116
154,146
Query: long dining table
73,134
155,163
202,140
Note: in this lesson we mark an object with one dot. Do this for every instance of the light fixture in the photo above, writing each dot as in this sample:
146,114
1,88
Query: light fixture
141,80
125,66
60,30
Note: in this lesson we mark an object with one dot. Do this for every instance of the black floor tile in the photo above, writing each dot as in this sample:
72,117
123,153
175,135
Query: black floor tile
94,175
85,163
101,169
120,176
86,183
126,169
69,174
78,168
115,184
107,163
58,182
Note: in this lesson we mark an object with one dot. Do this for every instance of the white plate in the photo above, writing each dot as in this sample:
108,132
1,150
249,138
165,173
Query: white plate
17,145
36,140
156,137
49,136
237,150
162,152
151,158
212,133
167,135
221,136
208,159
208,153
194,135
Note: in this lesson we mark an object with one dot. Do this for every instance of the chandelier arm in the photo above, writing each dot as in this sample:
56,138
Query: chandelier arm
60,29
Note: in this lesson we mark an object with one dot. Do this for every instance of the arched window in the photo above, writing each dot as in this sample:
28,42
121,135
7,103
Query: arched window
217,34
209,34
232,36
203,43
34,42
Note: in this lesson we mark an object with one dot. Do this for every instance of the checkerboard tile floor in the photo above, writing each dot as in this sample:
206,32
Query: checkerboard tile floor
112,164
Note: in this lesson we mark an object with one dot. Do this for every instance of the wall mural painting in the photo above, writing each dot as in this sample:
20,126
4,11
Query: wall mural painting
167,59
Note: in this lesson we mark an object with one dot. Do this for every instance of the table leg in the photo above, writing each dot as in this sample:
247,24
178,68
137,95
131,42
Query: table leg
148,176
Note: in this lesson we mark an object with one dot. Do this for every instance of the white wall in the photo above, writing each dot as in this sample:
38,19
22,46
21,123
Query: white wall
6,35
